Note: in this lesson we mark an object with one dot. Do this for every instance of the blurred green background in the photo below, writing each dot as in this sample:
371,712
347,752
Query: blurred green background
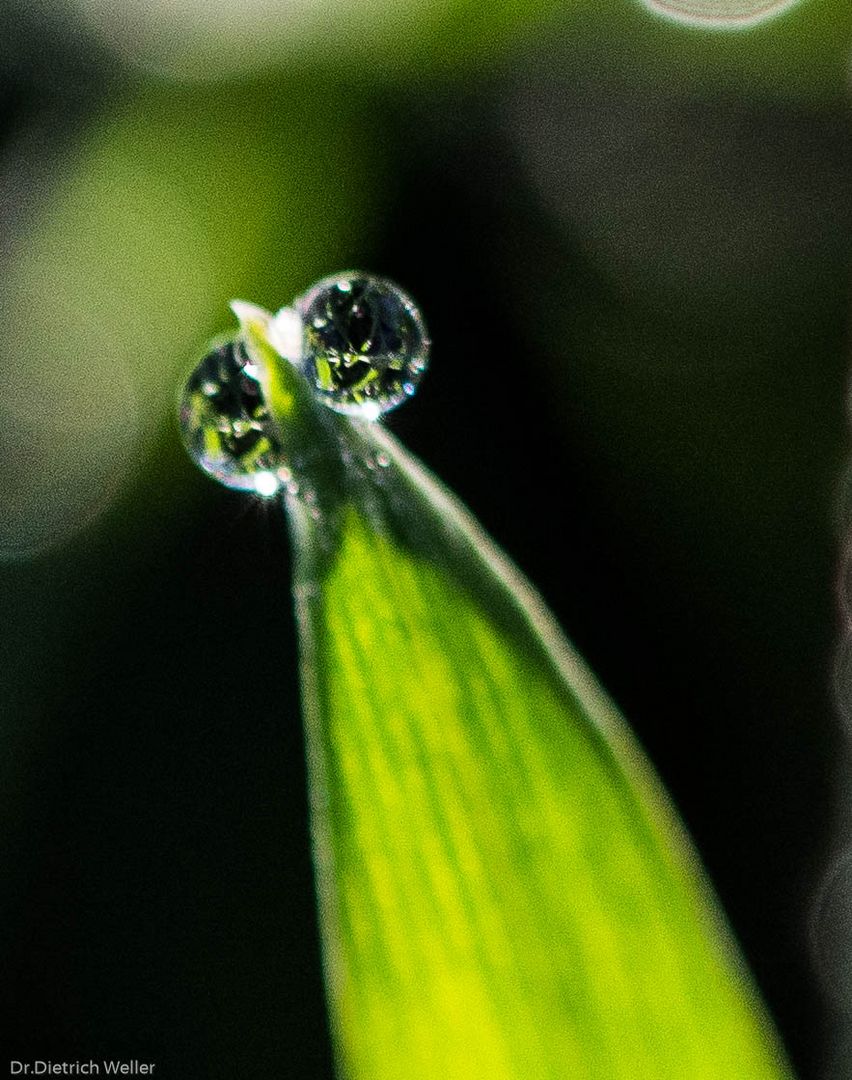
630,236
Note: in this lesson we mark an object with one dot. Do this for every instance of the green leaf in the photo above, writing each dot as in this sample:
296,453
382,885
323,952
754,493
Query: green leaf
505,892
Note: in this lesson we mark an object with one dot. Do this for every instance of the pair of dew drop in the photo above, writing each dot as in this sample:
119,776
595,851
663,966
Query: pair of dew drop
358,339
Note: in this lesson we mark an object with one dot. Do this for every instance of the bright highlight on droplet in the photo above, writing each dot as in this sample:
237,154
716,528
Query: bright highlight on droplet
286,334
266,484
719,14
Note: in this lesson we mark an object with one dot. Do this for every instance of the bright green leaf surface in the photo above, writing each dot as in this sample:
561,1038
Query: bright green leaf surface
505,893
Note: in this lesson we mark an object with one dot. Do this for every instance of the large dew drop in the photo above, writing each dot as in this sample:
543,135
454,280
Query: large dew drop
722,14
225,423
365,347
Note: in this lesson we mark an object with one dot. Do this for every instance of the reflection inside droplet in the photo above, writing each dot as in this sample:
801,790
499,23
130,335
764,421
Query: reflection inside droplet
365,344
225,423
722,14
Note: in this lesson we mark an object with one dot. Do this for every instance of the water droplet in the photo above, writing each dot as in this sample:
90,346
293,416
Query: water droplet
721,14
366,346
225,423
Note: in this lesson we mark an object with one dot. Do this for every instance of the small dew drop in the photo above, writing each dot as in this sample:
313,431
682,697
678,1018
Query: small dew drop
366,346
382,460
225,423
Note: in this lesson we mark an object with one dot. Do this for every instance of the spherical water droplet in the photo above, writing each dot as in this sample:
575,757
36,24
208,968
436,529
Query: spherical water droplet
225,423
721,14
366,346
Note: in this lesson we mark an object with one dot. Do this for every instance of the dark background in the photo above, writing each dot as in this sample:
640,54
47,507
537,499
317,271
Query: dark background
630,239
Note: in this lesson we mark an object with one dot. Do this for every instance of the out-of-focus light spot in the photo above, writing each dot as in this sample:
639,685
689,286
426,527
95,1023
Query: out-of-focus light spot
843,676
203,40
67,445
107,293
69,406
716,210
719,14
831,931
